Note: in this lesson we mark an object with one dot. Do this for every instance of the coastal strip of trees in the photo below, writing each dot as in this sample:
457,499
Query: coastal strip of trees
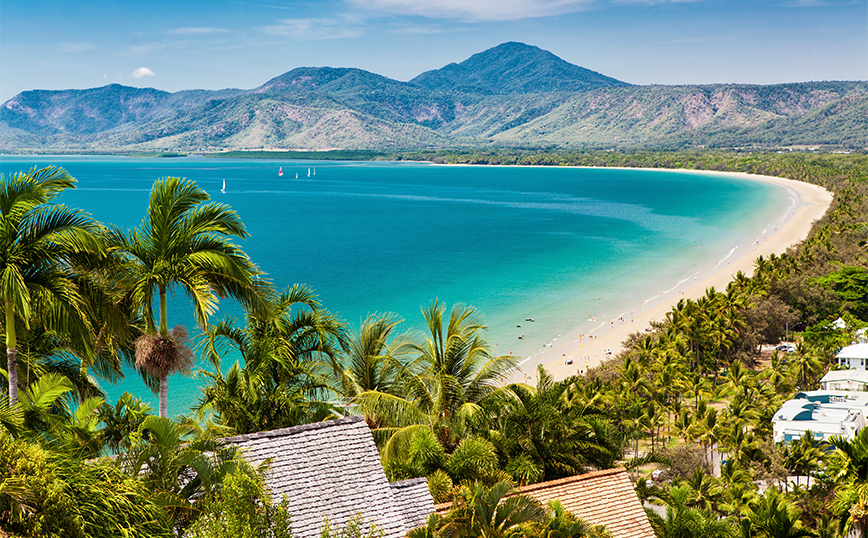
82,298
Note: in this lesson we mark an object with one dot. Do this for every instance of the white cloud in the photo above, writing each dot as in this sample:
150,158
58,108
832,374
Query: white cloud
142,72
316,28
198,30
477,9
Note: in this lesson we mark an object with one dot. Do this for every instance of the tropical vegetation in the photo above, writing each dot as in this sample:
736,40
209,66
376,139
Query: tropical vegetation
692,399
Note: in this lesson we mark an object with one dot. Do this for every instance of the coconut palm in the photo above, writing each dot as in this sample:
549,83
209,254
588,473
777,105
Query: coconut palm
282,344
705,490
491,512
807,365
544,436
456,372
370,359
683,521
40,243
106,340
775,517
183,241
848,468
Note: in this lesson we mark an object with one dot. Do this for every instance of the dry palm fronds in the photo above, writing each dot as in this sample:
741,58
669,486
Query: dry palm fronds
164,355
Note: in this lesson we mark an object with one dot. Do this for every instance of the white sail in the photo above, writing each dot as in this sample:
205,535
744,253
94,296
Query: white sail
224,186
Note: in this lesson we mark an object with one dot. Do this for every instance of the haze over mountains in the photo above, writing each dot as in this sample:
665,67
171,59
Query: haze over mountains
511,95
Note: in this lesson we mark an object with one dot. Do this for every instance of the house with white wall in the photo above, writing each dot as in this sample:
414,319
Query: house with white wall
853,357
823,413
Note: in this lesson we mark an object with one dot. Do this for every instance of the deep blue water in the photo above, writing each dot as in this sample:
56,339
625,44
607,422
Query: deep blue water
555,244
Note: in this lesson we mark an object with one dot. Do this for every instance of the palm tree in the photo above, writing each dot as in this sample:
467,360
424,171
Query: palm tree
490,512
682,521
457,372
184,241
848,468
282,344
107,339
179,469
705,490
739,489
775,517
40,243
544,436
807,365
370,359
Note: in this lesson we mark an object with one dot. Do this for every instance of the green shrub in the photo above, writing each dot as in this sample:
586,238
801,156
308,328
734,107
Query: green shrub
242,509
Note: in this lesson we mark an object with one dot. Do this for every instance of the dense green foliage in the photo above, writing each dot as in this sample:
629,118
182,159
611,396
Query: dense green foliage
334,155
243,508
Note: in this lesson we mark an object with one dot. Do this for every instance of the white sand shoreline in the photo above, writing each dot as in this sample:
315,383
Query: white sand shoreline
808,203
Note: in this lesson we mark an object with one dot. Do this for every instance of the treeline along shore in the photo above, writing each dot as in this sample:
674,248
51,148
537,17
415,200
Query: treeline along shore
694,398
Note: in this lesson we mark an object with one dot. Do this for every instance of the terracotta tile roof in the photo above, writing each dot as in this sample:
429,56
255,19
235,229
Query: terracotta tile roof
604,498
332,470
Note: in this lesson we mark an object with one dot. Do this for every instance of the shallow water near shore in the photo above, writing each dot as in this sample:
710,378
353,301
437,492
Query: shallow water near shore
571,248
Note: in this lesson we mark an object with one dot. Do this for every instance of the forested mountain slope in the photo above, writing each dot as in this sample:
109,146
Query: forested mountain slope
512,94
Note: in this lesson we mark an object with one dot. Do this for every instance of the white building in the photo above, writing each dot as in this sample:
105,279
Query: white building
854,357
824,413
846,380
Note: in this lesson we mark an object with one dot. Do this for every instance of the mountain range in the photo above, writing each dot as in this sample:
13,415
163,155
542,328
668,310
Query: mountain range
511,95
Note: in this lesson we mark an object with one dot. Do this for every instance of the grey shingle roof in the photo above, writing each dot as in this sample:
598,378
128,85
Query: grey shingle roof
332,470
414,500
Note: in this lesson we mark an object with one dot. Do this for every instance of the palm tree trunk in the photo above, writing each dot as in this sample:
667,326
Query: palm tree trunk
164,330
164,389
164,324
11,356
12,365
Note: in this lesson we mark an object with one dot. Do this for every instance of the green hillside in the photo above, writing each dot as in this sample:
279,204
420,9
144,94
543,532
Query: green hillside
513,68
513,95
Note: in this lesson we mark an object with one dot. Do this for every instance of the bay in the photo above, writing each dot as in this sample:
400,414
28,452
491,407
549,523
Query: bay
559,245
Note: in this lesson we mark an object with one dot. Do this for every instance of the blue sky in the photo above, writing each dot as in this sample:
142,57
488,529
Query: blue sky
180,44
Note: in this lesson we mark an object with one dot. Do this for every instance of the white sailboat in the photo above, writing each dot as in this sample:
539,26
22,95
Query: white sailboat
314,170
280,172
296,175
308,172
224,186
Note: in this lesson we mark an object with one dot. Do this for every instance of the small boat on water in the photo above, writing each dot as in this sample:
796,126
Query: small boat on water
280,172
296,175
224,186
308,172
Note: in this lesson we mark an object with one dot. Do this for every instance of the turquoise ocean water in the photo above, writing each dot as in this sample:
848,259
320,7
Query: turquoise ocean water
559,245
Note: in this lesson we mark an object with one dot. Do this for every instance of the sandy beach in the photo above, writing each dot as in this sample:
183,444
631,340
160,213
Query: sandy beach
809,204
